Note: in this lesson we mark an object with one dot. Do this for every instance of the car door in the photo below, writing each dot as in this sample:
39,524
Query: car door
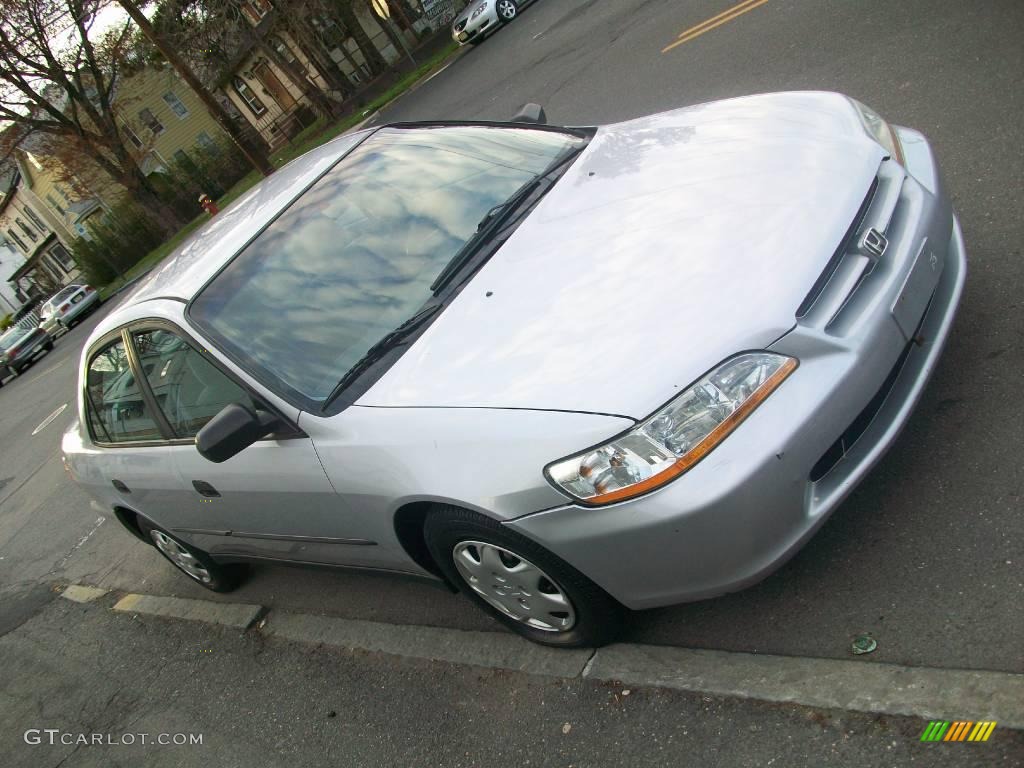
130,463
273,499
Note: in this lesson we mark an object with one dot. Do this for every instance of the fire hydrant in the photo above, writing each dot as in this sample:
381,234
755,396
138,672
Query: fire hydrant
208,205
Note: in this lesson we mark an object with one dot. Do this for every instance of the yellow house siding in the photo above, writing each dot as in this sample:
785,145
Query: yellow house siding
146,91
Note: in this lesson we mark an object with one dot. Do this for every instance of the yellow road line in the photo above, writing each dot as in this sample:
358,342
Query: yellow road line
715,21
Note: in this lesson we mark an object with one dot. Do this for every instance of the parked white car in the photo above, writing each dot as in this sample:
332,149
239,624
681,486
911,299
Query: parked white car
67,307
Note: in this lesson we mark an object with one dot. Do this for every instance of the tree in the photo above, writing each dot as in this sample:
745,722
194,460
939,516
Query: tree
58,83
255,156
212,34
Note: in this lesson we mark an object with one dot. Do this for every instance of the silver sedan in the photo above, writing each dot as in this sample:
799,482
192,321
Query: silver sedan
569,371
481,17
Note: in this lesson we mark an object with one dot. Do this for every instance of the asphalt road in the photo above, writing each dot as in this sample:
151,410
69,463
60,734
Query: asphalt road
926,555
256,702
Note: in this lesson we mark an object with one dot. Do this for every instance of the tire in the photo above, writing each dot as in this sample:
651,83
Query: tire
507,10
49,346
592,618
208,573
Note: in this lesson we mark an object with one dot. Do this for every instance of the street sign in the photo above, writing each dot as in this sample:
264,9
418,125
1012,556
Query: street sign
382,9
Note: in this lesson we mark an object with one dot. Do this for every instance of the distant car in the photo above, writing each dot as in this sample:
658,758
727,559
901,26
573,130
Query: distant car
482,17
66,308
19,346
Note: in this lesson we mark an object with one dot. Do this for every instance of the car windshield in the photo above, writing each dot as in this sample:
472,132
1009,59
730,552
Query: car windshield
50,306
355,256
13,336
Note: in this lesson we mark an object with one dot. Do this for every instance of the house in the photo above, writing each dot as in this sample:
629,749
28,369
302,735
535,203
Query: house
163,120
33,230
271,101
10,299
45,206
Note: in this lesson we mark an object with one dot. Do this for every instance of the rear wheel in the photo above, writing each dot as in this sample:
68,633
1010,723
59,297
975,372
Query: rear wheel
507,10
530,590
49,346
194,563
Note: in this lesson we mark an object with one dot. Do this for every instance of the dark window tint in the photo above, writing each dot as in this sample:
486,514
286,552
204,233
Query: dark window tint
117,411
354,257
189,389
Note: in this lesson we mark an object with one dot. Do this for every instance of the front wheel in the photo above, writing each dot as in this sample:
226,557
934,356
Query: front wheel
530,590
194,563
507,10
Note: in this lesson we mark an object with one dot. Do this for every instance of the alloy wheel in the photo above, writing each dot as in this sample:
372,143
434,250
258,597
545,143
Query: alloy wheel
507,10
181,557
514,585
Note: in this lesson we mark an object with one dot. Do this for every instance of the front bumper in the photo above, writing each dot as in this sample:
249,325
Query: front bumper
478,27
753,502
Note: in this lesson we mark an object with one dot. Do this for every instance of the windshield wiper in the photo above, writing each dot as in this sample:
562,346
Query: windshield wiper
500,214
380,348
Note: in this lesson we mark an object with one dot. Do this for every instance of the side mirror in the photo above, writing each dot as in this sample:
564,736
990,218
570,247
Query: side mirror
531,113
233,430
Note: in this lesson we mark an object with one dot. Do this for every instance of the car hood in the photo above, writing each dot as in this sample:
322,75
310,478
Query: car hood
672,243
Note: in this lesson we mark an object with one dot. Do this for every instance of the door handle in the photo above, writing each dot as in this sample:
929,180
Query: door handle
120,486
205,489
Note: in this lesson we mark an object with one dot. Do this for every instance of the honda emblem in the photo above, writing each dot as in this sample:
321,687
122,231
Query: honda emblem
874,243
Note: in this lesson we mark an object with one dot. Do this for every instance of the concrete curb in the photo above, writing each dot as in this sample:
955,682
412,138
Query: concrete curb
236,615
481,649
80,593
860,686
925,692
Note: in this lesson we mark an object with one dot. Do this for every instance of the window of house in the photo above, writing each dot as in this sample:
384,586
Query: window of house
62,257
133,137
207,144
29,232
18,240
257,8
331,33
189,389
116,409
55,203
35,219
176,105
148,119
181,158
252,101
287,53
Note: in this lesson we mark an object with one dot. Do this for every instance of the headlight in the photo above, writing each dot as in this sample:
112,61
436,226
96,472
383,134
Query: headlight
880,131
675,437
478,11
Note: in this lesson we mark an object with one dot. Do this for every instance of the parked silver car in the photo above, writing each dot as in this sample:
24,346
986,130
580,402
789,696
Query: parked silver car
567,370
69,305
481,17
19,346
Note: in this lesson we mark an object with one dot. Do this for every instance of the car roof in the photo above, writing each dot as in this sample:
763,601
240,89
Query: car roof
191,265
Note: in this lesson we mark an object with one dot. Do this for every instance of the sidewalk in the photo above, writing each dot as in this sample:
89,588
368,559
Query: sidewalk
258,701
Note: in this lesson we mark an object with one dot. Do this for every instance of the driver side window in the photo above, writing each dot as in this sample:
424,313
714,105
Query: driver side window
189,389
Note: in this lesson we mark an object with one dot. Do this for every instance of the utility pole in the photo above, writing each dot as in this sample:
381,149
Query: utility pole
257,158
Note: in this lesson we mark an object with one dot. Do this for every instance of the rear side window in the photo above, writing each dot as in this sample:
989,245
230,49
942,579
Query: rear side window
115,407
188,388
